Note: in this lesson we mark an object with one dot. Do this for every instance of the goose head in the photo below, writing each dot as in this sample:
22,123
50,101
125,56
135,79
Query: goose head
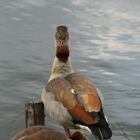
62,43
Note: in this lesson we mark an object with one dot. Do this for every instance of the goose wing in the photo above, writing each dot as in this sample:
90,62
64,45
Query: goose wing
85,92
63,91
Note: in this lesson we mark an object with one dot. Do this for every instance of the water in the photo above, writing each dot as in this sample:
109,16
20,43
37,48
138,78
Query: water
105,45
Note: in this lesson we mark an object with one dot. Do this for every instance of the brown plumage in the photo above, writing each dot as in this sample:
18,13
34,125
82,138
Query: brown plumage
62,49
71,98
62,53
86,92
39,133
77,136
62,33
61,89
78,106
80,115
45,133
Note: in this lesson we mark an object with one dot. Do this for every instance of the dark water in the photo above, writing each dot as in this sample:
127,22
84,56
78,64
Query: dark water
105,45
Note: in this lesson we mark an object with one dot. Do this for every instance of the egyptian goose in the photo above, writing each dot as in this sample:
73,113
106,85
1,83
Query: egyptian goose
39,132
70,98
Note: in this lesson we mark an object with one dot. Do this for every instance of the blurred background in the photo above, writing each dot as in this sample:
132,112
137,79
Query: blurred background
105,45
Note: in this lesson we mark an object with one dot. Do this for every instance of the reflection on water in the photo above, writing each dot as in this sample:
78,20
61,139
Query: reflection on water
104,43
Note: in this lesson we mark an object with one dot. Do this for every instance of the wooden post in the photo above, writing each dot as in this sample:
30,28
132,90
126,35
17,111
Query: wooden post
34,114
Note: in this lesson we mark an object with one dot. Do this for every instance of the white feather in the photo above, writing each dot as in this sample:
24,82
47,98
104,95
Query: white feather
60,69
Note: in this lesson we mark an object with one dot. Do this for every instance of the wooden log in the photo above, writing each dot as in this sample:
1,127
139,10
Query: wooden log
34,114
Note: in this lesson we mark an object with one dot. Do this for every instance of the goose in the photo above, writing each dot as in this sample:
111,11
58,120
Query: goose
39,132
70,98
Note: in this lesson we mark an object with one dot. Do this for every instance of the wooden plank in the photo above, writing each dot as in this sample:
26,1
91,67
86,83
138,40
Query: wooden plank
34,114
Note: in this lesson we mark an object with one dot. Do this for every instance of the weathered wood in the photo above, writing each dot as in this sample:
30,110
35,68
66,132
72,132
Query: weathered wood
34,114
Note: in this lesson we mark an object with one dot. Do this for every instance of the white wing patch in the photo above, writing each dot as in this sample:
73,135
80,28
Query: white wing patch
73,91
